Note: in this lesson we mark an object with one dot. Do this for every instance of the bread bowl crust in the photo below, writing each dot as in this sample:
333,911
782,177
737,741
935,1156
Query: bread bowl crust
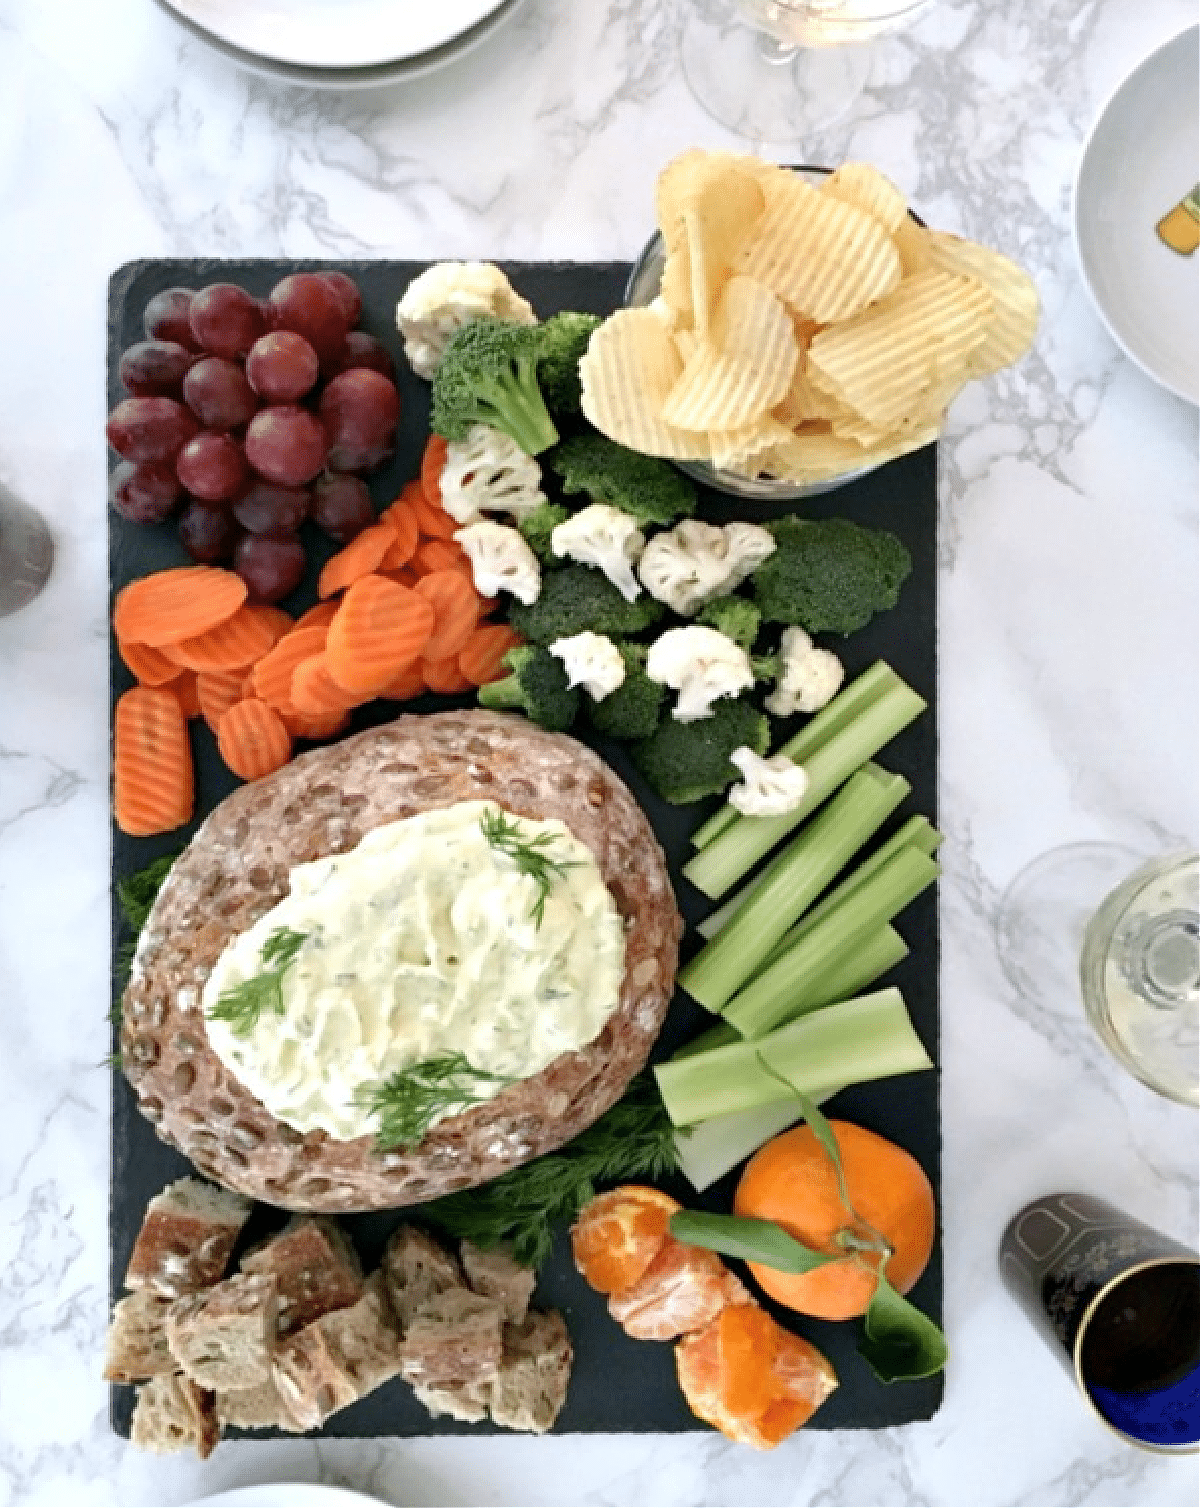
323,802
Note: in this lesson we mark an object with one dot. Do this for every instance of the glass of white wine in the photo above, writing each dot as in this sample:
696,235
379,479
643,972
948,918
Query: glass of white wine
1120,932
779,70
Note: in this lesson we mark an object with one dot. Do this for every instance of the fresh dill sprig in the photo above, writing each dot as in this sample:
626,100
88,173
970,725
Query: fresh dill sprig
409,1101
528,854
242,1004
635,1139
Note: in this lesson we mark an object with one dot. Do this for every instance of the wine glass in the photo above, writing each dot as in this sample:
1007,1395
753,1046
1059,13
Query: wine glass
1118,931
777,70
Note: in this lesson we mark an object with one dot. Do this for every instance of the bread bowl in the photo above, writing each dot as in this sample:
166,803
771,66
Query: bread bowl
237,868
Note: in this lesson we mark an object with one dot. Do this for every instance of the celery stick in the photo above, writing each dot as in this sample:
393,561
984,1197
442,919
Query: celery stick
832,718
769,998
724,860
847,976
869,1037
791,883
917,833
709,1149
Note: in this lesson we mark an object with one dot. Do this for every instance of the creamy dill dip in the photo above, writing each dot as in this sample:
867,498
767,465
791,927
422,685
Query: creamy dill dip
426,939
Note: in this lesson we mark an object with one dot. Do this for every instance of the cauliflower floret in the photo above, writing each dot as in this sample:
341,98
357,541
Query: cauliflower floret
808,677
450,294
501,561
488,472
769,787
687,566
592,661
702,665
602,536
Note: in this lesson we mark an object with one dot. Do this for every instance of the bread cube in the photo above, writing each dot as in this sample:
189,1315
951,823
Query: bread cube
224,1337
187,1237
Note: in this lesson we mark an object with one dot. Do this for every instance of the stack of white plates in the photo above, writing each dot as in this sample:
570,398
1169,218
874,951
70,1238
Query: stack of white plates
341,44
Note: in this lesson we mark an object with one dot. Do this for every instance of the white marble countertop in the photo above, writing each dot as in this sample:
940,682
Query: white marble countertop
1068,666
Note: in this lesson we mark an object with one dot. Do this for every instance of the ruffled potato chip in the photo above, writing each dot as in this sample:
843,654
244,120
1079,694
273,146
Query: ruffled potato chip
1015,299
630,366
826,259
865,187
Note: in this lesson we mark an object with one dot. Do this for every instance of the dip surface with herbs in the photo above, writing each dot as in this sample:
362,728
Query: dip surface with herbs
464,930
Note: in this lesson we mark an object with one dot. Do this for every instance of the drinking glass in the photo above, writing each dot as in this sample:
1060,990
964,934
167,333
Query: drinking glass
778,70
26,552
1120,933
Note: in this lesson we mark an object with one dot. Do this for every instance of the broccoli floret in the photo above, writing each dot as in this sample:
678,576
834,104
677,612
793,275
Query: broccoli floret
685,762
829,575
538,526
649,488
562,340
735,617
538,686
577,598
633,709
488,375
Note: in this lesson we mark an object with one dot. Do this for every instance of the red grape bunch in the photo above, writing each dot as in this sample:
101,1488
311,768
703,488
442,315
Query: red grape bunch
247,416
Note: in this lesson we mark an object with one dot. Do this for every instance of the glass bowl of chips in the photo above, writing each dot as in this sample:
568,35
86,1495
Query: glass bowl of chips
784,361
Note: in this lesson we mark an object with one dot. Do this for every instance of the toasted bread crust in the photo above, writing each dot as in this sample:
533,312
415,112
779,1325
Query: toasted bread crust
237,868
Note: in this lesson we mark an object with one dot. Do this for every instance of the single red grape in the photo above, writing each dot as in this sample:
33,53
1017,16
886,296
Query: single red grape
165,317
306,304
359,410
145,494
282,366
341,506
155,368
347,290
286,444
217,392
208,533
149,429
226,320
212,467
361,350
271,565
267,509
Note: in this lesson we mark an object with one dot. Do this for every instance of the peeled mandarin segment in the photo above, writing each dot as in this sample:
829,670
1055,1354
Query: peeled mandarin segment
243,637
380,628
682,1289
883,359
865,187
825,259
1016,305
749,1339
253,740
153,776
175,604
619,1234
630,366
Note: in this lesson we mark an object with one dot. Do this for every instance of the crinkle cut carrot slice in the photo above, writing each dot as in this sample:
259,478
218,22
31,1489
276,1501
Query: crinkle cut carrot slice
185,688
176,604
272,675
276,620
153,775
359,558
445,677
433,463
252,739
380,628
403,519
408,684
217,691
315,693
243,637
441,555
481,659
455,603
315,726
148,666
320,615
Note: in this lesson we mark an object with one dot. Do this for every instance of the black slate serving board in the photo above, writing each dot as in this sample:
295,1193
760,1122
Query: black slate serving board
618,1385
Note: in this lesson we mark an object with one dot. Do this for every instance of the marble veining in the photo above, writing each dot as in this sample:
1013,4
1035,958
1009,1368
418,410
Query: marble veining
1068,665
